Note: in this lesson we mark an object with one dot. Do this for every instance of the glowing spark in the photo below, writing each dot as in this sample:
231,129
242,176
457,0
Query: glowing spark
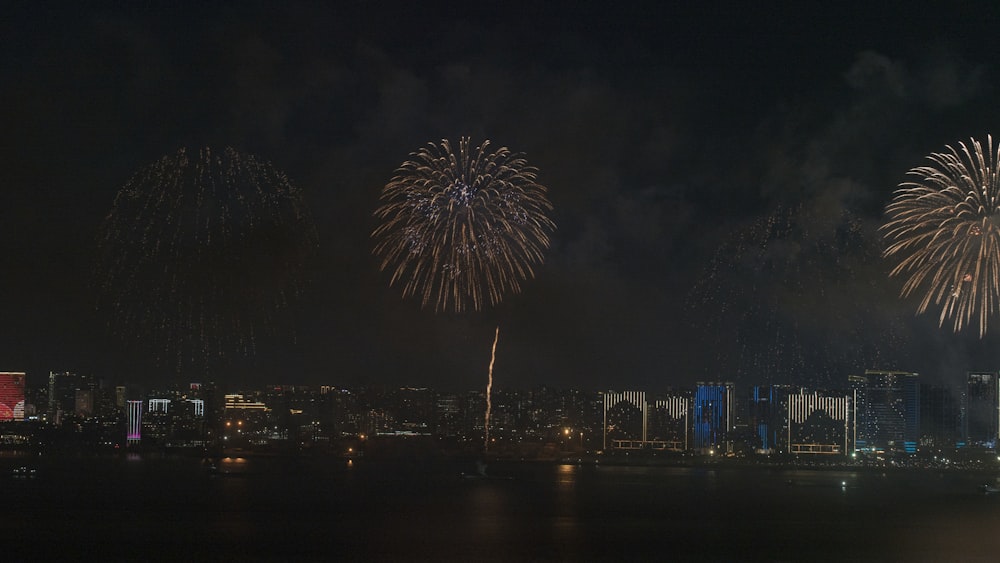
461,228
489,389
200,252
944,230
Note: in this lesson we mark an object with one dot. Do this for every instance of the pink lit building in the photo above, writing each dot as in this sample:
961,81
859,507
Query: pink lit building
11,396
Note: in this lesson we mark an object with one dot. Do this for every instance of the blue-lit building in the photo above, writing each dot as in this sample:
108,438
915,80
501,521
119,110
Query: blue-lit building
765,417
712,417
887,407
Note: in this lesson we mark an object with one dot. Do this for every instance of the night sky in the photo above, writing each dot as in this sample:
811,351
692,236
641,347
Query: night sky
718,176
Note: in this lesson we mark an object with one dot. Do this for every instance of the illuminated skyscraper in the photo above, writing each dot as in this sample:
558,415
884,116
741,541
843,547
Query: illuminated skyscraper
198,406
159,405
819,423
11,396
712,418
766,417
887,410
133,423
668,422
981,410
625,419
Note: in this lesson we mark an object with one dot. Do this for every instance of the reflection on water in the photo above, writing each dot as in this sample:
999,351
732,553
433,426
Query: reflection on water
326,509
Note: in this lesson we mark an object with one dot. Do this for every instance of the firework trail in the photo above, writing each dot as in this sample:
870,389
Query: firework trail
943,230
462,228
200,252
489,390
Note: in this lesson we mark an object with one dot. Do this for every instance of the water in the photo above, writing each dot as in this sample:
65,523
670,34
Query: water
285,509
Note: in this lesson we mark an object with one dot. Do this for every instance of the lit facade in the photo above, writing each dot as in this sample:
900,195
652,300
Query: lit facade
159,405
712,417
625,419
981,410
819,423
668,423
887,404
11,396
199,407
133,423
766,415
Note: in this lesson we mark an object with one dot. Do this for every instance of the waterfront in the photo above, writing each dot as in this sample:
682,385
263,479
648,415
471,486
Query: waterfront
277,509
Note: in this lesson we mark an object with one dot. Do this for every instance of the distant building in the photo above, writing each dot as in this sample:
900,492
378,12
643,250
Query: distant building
133,423
940,418
448,420
159,405
624,419
668,422
63,388
981,410
819,423
413,409
198,407
712,418
766,417
887,410
11,396
84,402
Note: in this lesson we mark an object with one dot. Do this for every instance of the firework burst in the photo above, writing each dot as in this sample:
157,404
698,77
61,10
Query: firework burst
200,252
943,230
462,228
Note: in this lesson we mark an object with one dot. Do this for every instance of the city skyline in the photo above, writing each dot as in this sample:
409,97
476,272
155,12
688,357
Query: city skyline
872,415
717,175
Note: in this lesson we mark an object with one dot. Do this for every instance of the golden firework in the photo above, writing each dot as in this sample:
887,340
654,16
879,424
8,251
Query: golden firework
943,229
462,228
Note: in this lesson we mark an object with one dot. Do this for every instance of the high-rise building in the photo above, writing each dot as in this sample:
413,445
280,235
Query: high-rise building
766,417
887,406
63,387
712,419
624,419
940,417
981,410
448,407
84,402
668,422
819,423
11,395
133,423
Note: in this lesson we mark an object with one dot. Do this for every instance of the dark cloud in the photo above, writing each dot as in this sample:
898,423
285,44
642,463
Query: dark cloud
718,177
